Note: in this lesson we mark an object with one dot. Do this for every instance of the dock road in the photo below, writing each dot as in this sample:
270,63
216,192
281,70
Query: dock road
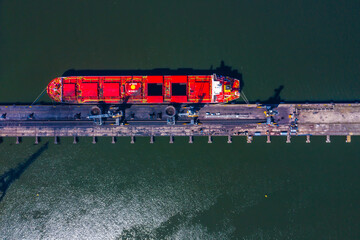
210,120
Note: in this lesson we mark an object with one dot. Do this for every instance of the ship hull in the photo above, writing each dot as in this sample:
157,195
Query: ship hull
144,89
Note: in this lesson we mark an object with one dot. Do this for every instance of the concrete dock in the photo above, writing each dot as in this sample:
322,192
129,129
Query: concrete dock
213,120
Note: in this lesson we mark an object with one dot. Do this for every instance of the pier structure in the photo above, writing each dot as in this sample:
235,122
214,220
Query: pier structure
249,120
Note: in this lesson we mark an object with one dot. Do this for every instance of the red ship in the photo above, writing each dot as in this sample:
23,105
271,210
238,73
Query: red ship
144,89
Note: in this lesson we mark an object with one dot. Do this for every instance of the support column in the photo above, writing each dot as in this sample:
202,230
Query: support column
171,139
113,140
268,139
288,138
94,140
37,140
209,139
17,140
328,139
75,140
229,139
190,139
151,139
307,138
132,139
55,140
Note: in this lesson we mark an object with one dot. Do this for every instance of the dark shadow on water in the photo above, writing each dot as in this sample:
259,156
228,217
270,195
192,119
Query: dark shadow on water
7,178
266,214
274,99
165,231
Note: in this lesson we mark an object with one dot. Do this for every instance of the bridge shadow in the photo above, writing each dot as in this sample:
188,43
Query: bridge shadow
7,178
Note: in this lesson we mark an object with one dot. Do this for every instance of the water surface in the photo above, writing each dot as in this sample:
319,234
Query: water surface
182,191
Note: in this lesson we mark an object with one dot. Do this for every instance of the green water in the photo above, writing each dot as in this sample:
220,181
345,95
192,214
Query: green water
181,190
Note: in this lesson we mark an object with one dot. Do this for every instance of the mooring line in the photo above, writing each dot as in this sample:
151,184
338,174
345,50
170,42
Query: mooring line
39,96
242,94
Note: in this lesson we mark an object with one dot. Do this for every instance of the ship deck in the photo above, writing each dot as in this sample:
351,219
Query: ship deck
137,89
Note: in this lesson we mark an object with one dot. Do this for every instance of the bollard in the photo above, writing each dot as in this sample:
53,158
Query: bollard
328,139
17,140
55,140
75,140
190,139
229,139
94,140
307,138
171,139
37,140
209,139
113,140
151,139
132,140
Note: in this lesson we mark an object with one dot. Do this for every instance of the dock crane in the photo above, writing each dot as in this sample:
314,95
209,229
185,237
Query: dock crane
191,113
113,112
270,113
